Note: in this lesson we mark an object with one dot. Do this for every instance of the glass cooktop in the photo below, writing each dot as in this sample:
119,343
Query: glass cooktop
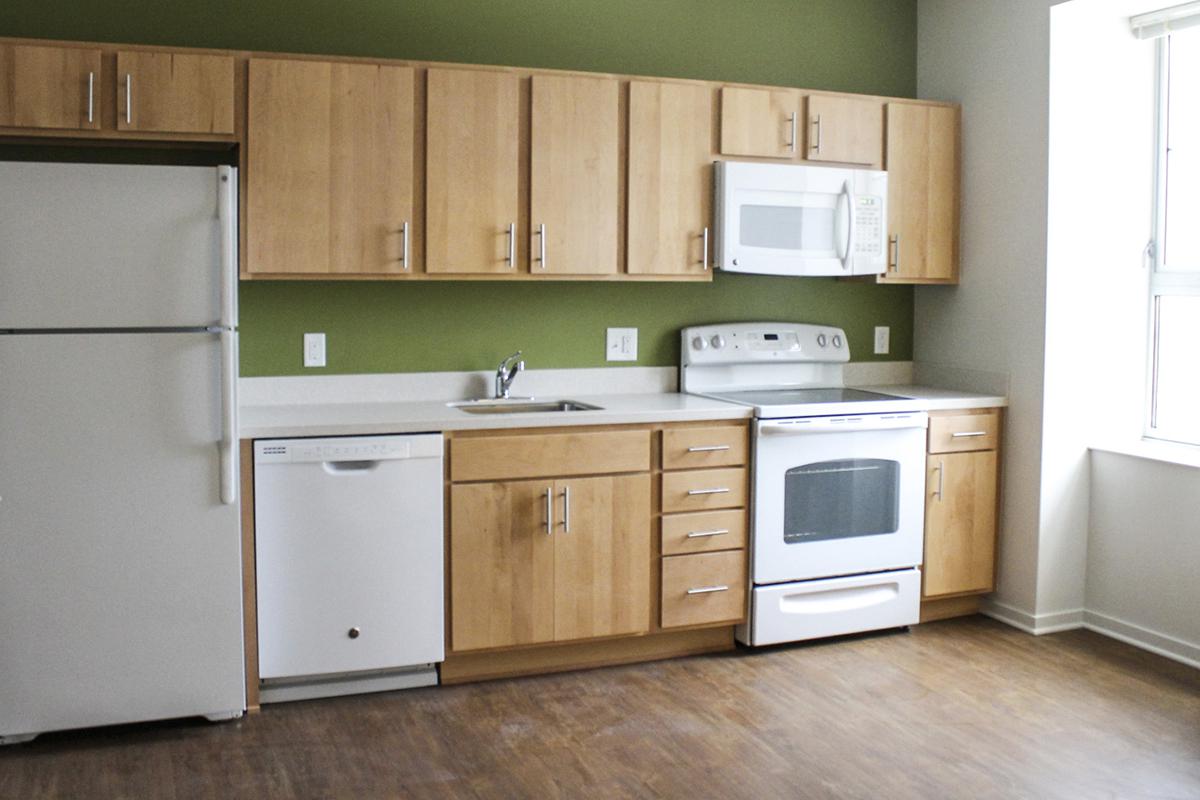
794,397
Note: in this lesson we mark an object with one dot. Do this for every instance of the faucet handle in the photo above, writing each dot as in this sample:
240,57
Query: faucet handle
505,361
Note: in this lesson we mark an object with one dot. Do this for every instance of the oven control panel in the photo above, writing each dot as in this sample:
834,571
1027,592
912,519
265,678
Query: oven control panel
763,342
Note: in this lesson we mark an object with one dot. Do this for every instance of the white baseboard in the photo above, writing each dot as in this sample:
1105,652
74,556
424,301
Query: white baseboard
1036,624
1160,643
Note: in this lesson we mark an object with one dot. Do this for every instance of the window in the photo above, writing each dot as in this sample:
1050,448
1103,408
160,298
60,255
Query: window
1174,407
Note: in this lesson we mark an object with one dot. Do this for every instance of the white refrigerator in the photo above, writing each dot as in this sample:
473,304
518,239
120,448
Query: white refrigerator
120,557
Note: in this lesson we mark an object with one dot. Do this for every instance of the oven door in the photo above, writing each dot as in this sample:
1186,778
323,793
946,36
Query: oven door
838,495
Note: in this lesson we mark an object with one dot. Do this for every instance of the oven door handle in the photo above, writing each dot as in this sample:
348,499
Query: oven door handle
814,425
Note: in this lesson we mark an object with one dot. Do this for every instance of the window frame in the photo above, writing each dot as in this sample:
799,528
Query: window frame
1163,282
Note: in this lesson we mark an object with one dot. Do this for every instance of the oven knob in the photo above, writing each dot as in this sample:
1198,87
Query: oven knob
699,343
718,341
837,340
821,341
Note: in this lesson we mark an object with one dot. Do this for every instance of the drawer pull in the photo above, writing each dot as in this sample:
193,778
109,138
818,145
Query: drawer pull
710,448
708,589
968,434
699,534
708,491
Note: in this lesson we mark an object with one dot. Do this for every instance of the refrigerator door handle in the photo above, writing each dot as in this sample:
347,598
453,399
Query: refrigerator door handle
228,445
227,216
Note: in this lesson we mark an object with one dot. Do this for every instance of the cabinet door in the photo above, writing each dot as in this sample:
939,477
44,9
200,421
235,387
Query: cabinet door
501,564
472,154
670,178
574,176
960,523
49,87
602,557
174,92
922,164
760,122
846,130
330,168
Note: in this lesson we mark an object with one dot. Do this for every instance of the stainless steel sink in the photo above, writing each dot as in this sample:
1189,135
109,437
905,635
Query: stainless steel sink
525,405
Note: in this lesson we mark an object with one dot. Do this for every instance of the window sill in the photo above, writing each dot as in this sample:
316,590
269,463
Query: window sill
1185,455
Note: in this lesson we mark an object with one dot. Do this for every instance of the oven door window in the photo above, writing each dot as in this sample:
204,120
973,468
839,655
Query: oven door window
841,500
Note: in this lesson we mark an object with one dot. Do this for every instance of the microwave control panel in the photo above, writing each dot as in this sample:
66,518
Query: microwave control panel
868,225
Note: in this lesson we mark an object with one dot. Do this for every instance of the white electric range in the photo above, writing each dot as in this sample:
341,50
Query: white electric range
838,495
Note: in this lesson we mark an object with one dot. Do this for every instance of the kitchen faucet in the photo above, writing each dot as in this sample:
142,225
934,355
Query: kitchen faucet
506,372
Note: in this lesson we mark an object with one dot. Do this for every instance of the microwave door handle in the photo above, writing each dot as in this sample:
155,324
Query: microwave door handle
844,226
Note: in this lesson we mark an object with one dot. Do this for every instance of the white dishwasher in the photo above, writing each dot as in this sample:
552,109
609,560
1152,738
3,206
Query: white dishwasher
348,546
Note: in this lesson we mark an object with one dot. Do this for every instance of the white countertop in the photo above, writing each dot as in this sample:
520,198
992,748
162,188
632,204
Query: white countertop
279,420
286,420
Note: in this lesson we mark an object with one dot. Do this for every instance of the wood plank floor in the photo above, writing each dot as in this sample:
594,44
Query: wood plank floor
960,709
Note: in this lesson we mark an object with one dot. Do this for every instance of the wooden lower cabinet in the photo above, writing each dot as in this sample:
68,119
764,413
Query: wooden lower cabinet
549,560
961,490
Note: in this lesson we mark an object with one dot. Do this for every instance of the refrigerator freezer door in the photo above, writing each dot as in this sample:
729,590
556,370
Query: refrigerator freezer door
120,568
108,246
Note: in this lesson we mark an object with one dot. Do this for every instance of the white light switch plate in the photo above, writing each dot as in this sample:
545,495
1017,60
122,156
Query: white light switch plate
314,349
621,344
883,340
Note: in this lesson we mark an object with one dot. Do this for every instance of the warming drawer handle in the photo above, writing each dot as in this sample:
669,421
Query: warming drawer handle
708,589
702,534
709,448
722,490
967,434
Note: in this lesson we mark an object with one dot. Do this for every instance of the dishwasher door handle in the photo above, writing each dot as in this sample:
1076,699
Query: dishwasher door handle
349,467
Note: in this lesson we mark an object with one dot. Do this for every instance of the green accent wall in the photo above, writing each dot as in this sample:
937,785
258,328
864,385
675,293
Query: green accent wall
845,45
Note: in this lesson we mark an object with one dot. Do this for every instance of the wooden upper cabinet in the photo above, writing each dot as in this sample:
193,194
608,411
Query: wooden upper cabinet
760,122
960,523
923,180
49,87
574,176
330,168
670,179
471,170
847,130
165,92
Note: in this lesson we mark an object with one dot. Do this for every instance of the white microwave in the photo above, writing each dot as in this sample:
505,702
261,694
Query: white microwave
795,219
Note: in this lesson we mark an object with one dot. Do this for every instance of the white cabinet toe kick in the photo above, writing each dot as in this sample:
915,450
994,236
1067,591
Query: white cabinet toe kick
814,609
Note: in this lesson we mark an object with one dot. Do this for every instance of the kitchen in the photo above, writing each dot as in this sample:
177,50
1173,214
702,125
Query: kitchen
391,346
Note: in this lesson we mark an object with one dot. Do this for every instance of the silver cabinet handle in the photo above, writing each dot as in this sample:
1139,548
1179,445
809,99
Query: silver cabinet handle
566,509
893,253
702,534
404,245
708,589
128,99
549,510
817,144
542,245
967,434
704,248
708,491
941,471
708,448
792,141
512,245
91,97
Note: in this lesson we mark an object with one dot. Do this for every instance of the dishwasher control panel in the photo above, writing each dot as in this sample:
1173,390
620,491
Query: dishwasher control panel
377,448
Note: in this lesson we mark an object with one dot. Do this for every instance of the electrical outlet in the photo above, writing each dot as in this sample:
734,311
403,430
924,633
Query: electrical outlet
621,344
314,349
883,339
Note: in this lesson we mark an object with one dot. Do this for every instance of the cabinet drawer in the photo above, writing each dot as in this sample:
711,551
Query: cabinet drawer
703,588
704,489
558,454
689,448
955,433
703,532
